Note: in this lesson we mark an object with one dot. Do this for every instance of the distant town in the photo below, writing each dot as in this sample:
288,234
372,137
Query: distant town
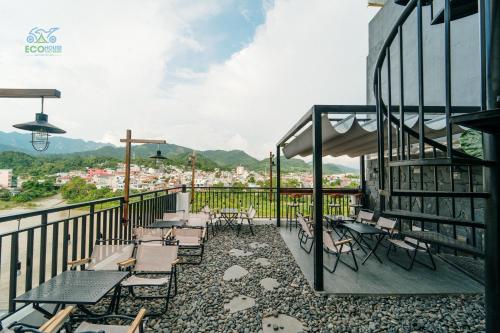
145,178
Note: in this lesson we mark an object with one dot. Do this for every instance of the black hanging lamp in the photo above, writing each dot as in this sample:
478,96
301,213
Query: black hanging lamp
158,155
40,130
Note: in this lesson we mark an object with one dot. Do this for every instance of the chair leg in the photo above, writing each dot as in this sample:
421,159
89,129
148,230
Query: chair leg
432,266
332,270
412,258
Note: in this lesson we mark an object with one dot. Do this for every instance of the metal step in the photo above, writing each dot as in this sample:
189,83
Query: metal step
484,121
445,194
458,9
404,214
458,161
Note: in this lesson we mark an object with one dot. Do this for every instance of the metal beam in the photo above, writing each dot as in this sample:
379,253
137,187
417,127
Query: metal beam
318,199
29,93
367,109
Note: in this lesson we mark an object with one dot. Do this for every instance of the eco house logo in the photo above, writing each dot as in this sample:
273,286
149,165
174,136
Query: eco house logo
42,42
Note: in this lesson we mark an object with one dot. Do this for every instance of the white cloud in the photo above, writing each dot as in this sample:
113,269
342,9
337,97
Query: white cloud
115,55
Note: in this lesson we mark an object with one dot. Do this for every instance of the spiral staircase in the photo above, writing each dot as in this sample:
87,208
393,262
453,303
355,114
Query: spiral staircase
410,154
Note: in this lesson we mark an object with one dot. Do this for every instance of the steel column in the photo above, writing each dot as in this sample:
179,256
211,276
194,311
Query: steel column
318,199
492,174
278,186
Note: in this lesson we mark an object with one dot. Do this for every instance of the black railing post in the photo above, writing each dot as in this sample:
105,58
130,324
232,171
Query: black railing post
318,199
14,262
43,249
278,186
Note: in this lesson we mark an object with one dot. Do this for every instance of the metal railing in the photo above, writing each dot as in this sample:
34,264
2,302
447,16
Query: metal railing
36,245
264,199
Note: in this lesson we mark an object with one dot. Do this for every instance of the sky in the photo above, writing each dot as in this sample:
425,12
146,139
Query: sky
206,74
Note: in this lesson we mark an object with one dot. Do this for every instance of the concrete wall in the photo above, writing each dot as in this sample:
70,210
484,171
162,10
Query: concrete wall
464,63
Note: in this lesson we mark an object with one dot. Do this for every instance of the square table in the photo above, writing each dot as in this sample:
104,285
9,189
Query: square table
75,287
362,230
229,215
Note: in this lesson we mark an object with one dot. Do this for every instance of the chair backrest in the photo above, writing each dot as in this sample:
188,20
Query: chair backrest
174,216
364,215
305,227
149,234
187,232
107,257
386,224
197,220
205,209
251,213
328,241
154,258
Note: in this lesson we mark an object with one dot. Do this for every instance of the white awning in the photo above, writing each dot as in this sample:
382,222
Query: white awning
355,137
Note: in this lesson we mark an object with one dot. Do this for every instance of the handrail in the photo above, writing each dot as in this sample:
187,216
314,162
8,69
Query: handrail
36,212
378,65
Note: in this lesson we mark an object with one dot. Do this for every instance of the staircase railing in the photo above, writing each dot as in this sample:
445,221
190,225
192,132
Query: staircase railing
415,152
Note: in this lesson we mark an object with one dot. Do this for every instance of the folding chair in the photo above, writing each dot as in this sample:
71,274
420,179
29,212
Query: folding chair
92,325
306,233
152,259
200,220
365,216
53,325
248,216
190,238
411,247
337,248
105,257
151,235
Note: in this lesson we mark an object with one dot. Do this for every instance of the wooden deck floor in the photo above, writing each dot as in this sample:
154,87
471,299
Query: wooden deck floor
374,278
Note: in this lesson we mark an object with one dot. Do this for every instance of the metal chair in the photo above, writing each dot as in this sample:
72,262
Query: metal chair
248,217
152,259
337,248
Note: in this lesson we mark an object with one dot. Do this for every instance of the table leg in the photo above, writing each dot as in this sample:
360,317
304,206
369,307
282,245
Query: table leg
372,251
357,240
45,313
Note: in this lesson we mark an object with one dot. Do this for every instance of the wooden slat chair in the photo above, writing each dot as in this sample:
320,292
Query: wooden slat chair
306,233
411,246
105,256
152,259
190,238
248,218
338,248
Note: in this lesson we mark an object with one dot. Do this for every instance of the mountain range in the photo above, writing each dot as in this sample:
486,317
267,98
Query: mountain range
177,155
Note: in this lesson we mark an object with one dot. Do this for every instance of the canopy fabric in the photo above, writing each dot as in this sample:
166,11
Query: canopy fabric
355,137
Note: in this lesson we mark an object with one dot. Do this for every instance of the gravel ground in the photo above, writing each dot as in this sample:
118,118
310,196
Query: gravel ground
199,304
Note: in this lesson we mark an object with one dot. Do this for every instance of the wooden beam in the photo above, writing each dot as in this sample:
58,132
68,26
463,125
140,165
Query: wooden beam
29,93
160,142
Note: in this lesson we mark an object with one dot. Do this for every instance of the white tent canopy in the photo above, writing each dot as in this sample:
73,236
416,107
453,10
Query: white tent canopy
355,137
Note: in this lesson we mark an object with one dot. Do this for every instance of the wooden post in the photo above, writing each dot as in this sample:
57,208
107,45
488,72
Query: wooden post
128,152
193,165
